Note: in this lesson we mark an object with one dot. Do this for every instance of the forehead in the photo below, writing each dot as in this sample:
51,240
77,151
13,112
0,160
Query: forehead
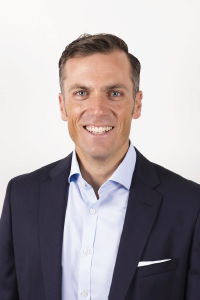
98,66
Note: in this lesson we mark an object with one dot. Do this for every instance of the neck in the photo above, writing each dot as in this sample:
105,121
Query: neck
97,171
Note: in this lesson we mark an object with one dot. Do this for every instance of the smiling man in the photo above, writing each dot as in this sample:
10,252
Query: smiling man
104,222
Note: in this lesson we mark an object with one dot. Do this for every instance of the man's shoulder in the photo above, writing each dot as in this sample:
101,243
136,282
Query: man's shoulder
39,175
165,178
168,179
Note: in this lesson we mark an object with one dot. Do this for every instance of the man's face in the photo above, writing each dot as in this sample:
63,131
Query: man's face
97,101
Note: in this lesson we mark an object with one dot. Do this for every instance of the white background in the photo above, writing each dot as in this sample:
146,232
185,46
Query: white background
164,35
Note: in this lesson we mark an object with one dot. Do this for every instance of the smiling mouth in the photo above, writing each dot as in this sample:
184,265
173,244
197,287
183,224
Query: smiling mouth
98,130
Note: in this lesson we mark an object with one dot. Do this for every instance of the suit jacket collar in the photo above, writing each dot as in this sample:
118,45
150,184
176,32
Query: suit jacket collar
142,209
63,166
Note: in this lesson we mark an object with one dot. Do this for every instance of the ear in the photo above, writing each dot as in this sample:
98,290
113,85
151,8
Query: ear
62,107
138,105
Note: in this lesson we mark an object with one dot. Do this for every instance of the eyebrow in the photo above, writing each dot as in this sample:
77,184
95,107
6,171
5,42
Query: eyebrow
106,88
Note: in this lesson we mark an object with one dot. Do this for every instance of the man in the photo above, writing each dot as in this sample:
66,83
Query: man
104,222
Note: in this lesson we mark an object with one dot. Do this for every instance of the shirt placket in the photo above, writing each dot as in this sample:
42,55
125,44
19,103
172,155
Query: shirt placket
88,240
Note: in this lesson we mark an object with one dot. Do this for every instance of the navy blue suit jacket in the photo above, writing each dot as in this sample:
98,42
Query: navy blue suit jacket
162,222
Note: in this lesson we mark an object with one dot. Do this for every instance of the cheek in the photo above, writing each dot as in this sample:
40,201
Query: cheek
125,114
72,130
125,118
73,119
74,110
71,125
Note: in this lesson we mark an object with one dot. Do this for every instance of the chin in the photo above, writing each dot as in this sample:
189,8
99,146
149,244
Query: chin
98,155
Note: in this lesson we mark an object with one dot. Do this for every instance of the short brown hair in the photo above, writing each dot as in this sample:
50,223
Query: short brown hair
87,44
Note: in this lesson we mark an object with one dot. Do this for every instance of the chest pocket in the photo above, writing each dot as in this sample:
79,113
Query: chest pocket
156,268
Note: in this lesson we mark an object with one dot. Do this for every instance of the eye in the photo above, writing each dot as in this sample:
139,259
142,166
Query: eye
115,94
80,93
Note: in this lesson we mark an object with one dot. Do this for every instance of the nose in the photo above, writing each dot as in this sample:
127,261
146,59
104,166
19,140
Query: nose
98,105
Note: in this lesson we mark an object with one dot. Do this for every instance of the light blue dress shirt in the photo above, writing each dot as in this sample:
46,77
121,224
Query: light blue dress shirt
92,231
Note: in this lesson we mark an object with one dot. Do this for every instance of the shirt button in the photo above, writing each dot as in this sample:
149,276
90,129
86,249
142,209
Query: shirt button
84,294
86,251
92,211
82,183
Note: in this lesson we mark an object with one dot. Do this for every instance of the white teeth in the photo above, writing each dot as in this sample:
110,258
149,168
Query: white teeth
98,130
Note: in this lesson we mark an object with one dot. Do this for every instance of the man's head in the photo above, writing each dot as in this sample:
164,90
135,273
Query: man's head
99,94
88,44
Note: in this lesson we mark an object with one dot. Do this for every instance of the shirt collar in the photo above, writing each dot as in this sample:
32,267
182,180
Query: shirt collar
75,170
122,175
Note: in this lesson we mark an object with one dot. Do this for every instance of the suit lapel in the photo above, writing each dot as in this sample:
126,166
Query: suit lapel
53,203
142,209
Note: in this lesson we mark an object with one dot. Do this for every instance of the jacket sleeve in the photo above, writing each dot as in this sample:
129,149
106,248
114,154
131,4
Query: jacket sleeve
192,288
8,278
